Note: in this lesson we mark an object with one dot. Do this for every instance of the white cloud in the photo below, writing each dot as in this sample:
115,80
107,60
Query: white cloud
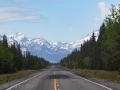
6,17
2,31
94,26
14,9
17,1
20,1
71,29
16,14
47,0
96,19
104,8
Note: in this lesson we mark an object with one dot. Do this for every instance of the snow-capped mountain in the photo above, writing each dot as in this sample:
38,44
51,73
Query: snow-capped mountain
42,48
76,44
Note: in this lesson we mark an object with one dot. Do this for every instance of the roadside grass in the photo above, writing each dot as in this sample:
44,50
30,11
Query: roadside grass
9,77
112,76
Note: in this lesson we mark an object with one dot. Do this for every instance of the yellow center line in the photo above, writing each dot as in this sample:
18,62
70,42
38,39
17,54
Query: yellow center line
54,73
55,88
55,83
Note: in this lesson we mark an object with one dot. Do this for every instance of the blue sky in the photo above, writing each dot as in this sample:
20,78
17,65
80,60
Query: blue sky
54,20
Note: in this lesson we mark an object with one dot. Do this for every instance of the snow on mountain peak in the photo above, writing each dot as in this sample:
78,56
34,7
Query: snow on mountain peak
78,43
19,36
42,48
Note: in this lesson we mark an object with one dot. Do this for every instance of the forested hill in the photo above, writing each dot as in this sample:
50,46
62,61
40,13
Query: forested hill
103,54
12,60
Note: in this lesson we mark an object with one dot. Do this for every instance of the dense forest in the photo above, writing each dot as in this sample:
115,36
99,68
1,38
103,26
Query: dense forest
100,54
12,59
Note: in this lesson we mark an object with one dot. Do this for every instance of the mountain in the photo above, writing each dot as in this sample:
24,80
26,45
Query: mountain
53,52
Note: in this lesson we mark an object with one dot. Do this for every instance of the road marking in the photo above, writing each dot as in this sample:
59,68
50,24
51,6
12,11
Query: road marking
54,73
55,88
56,83
91,81
24,81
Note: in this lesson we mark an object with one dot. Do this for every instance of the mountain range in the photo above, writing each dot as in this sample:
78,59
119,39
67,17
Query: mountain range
52,52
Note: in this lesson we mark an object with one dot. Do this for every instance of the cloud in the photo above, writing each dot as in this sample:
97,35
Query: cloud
17,1
94,26
46,0
71,29
8,14
21,1
14,9
96,19
6,17
2,31
104,9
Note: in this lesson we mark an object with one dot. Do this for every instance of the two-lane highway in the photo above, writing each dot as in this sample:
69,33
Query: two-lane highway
56,79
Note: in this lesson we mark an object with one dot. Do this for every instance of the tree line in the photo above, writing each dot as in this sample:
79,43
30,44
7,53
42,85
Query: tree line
100,54
12,59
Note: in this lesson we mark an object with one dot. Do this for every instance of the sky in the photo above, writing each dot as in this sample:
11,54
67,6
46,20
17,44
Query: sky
53,20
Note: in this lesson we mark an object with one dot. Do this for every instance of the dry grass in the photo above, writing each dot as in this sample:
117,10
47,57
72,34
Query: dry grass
112,76
8,77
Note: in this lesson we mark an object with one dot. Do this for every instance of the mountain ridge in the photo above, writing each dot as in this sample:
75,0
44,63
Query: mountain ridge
53,52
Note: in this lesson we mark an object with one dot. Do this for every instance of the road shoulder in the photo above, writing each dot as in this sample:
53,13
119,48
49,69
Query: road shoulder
16,81
113,85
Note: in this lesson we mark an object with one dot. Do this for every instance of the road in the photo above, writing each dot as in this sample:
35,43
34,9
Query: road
56,79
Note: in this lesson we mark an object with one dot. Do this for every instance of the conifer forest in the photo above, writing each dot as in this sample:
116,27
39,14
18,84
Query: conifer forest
12,59
100,54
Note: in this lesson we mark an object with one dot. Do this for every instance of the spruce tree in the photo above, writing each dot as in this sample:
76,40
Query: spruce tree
4,41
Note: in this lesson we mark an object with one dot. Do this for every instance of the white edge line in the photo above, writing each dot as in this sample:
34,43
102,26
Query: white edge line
92,81
24,81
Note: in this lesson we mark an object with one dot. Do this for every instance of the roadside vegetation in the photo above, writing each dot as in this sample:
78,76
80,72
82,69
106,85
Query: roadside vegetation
13,60
19,74
9,77
112,76
99,58
14,64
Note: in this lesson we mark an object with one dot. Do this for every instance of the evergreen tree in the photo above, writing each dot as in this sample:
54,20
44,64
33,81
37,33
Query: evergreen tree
12,60
4,41
103,53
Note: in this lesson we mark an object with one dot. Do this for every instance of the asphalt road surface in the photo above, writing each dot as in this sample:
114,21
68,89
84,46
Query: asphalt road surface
55,79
